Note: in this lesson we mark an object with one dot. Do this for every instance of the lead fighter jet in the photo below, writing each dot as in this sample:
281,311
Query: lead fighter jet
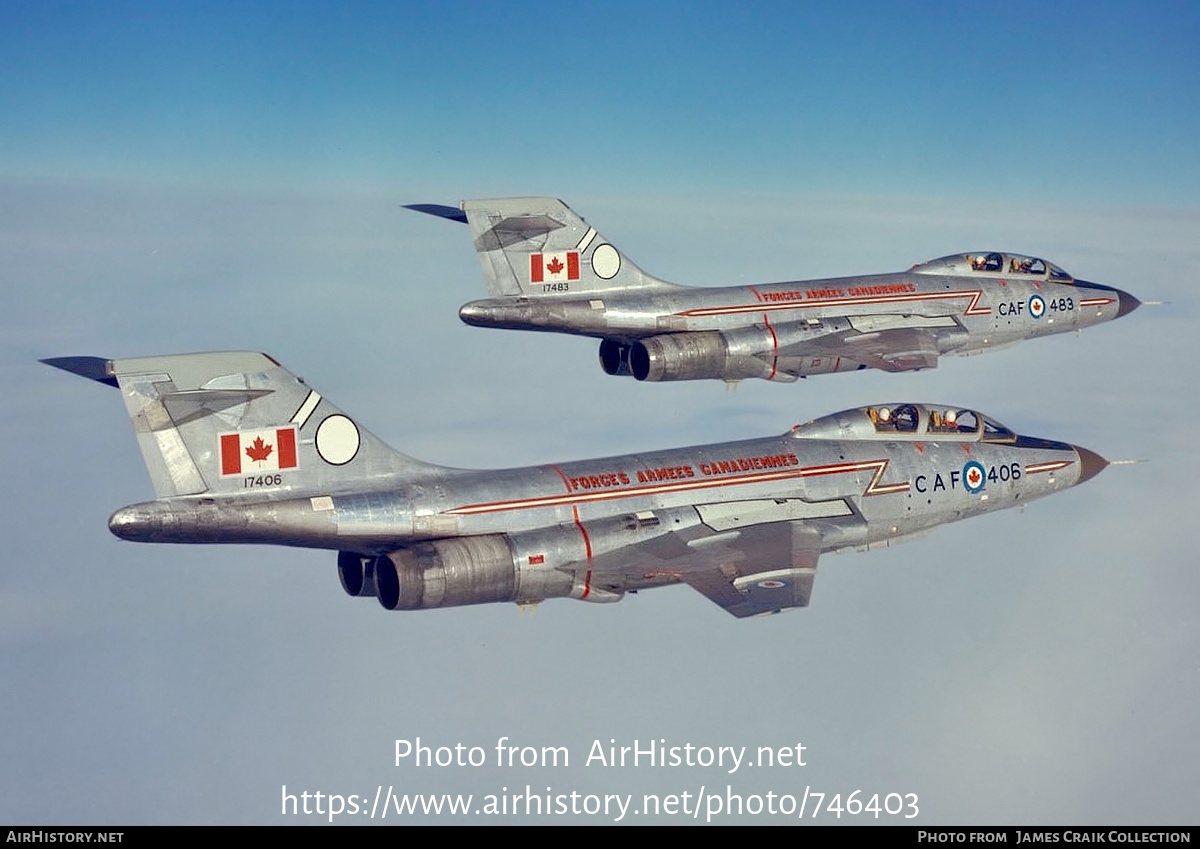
241,451
546,269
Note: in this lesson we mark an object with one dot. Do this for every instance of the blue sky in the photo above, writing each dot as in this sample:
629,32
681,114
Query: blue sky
180,177
1027,100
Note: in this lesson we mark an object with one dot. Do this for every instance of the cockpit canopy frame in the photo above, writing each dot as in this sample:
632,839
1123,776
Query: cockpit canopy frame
994,263
907,421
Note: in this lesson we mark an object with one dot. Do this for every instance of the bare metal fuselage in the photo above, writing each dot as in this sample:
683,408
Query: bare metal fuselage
596,529
782,331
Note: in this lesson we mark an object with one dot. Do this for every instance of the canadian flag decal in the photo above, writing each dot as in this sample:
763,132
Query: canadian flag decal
252,451
554,267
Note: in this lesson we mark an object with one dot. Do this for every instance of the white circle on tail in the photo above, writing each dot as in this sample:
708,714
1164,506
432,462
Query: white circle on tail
974,477
1037,306
606,262
337,440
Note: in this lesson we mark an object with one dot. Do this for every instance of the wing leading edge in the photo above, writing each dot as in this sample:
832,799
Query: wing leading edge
748,571
774,569
894,350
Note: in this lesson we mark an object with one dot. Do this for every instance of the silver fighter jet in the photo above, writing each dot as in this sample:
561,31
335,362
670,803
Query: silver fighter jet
241,451
546,269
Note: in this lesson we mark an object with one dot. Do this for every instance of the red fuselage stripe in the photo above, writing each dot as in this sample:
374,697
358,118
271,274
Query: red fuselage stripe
972,309
1047,467
709,483
587,541
774,346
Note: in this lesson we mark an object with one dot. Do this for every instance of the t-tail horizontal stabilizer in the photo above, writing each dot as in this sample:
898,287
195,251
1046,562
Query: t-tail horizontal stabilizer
453,213
93,368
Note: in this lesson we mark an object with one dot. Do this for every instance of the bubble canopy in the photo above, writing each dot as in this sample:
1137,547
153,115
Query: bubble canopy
932,422
994,263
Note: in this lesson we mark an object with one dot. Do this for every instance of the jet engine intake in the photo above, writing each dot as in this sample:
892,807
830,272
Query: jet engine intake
703,355
446,573
357,574
614,357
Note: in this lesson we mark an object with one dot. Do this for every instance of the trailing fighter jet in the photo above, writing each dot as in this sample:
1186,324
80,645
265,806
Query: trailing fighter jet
546,269
241,451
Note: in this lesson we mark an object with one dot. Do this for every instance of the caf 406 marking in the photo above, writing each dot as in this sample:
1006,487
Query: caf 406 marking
743,523
973,478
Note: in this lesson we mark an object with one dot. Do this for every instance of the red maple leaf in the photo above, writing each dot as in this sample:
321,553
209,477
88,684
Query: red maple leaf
974,476
259,451
554,266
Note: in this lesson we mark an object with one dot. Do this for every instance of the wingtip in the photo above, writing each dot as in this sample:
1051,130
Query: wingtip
98,369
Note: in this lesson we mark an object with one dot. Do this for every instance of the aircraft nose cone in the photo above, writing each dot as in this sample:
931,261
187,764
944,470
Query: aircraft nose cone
1128,303
1090,464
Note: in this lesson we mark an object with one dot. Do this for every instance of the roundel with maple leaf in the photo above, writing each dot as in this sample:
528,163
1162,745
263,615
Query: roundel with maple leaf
974,477
1037,306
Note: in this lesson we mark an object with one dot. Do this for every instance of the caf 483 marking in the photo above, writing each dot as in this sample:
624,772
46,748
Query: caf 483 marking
241,451
547,270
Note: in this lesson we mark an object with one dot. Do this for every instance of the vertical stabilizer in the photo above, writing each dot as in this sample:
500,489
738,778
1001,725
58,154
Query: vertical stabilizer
538,246
237,423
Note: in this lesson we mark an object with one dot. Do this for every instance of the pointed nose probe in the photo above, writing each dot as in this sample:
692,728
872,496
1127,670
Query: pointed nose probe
1127,303
1090,464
